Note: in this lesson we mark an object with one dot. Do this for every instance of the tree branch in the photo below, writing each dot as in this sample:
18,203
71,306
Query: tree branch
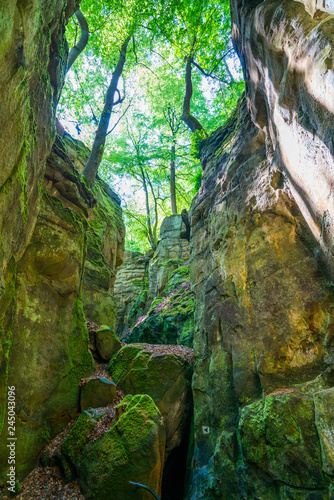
119,119
78,47
186,116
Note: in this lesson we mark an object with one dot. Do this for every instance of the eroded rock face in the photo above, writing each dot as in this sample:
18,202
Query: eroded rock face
287,51
172,250
33,54
261,264
130,289
105,243
264,312
49,350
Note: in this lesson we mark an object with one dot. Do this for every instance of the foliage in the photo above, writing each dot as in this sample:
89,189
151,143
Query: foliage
146,125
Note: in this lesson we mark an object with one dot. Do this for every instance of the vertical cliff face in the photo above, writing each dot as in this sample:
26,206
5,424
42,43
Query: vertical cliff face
261,267
56,236
32,59
287,50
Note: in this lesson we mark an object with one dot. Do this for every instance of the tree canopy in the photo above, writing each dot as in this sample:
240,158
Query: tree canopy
153,80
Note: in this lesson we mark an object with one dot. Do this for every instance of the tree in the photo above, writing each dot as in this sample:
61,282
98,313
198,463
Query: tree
132,156
97,151
173,73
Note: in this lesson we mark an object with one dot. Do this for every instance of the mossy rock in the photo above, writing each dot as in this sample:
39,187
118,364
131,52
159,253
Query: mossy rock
96,393
107,343
166,378
132,450
279,436
76,439
170,320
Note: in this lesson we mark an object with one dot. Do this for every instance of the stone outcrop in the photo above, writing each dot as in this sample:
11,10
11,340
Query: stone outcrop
261,264
49,347
172,250
130,290
170,319
105,235
153,291
32,59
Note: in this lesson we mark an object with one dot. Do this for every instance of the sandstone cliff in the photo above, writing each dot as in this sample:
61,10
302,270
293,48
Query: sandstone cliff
48,219
261,267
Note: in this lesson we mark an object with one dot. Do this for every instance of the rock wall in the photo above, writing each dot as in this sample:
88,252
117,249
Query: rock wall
32,59
130,290
261,268
77,234
153,291
105,240
172,250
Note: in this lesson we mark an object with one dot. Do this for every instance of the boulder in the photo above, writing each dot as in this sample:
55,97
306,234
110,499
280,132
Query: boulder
165,378
96,393
107,343
132,450
279,436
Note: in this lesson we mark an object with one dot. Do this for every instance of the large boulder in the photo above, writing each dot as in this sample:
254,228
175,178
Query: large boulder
107,343
280,437
132,450
165,378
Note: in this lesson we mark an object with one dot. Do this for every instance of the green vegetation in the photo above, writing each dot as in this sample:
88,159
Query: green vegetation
153,81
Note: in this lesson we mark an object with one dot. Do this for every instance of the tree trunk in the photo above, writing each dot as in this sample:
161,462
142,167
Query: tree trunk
172,180
148,213
79,47
96,154
186,116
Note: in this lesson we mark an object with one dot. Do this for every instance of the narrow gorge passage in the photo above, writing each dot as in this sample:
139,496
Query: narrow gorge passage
170,322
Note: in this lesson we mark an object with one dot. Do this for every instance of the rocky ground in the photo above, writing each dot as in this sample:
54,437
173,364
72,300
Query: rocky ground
47,482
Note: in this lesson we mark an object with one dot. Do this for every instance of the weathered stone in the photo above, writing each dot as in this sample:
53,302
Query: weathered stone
49,350
170,320
166,378
28,96
105,238
288,59
107,343
264,305
172,251
48,321
130,290
279,436
132,450
96,393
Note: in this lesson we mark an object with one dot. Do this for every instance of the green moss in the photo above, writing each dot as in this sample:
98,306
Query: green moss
7,304
126,357
76,439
